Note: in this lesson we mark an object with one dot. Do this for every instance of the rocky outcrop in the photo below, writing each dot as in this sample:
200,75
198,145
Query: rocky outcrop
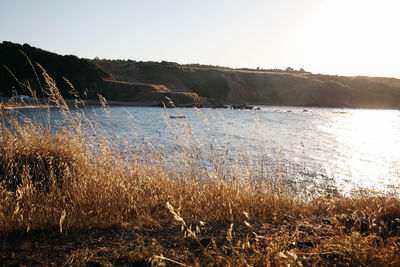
244,106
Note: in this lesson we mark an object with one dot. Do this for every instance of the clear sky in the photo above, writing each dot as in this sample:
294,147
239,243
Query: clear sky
345,37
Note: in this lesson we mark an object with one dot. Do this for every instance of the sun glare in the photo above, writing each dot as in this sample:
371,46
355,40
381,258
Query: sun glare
371,140
350,37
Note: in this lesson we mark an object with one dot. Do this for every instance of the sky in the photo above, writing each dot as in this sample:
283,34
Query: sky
340,37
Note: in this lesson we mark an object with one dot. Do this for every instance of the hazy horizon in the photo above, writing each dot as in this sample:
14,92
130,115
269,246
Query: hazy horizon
330,37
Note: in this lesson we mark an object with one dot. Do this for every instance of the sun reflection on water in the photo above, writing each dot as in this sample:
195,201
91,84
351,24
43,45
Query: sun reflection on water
371,143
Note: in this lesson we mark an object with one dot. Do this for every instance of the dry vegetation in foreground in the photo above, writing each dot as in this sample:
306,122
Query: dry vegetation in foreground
66,201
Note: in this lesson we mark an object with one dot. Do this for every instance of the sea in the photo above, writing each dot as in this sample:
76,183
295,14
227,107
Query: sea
344,149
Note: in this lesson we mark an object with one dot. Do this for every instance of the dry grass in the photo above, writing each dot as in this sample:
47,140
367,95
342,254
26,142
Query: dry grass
59,186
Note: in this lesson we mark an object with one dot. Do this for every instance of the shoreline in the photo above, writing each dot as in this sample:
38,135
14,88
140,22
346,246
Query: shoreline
27,106
71,102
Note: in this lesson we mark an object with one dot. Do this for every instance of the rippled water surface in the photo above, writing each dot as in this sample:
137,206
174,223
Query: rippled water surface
351,147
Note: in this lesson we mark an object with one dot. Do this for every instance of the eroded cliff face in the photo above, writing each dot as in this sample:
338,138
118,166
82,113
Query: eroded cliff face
125,71
127,80
240,91
224,85
141,72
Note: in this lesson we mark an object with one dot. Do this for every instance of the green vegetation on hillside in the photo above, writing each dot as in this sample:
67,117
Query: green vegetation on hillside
205,82
151,83
19,69
82,73
271,87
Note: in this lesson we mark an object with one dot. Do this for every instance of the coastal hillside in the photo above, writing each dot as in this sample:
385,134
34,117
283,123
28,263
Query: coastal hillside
22,66
151,83
269,87
21,61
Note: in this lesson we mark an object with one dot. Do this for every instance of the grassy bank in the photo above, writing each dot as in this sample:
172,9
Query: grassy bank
67,199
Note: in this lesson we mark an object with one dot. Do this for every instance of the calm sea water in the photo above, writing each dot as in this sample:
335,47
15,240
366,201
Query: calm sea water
350,148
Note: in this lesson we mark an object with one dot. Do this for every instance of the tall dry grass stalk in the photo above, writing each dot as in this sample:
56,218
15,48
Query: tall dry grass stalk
66,181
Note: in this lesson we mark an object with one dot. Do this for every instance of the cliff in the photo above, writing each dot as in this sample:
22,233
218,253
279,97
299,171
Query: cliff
269,87
20,62
150,83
